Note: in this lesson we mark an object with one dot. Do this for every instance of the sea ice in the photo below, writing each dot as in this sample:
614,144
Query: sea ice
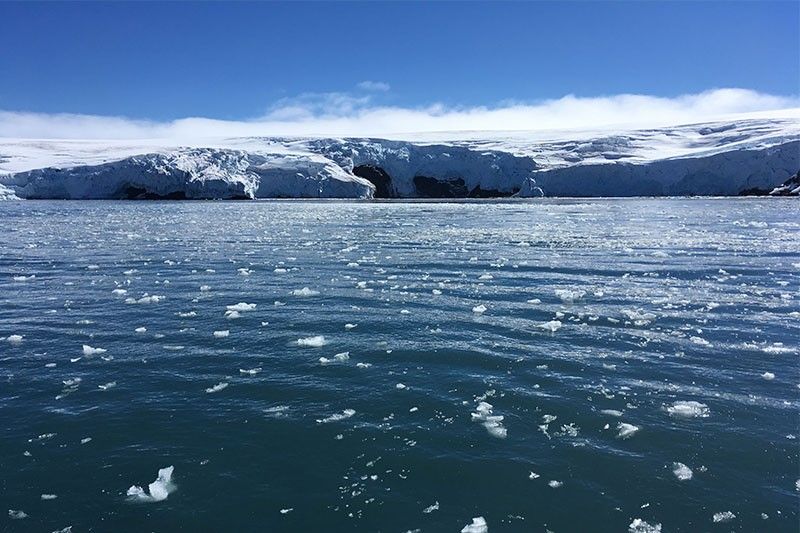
431,508
347,413
17,515
492,423
89,351
14,339
312,342
479,309
251,371
681,471
640,526
305,292
221,333
552,326
689,409
216,388
569,295
725,516
769,376
626,431
478,525
241,307
158,489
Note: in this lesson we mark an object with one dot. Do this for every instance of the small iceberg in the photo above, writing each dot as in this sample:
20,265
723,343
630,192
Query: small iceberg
159,489
316,341
688,409
89,351
216,388
478,525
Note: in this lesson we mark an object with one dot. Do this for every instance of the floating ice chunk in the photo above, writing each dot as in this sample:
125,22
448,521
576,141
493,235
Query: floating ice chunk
486,276
241,307
109,385
187,314
146,299
478,525
640,526
534,301
689,409
405,312
699,341
280,271
363,365
611,412
769,376
221,333
436,292
244,271
493,423
347,413
533,475
205,288
431,508
343,356
158,489
555,484
119,292
479,309
350,326
15,339
250,372
140,329
17,515
49,496
316,341
626,431
288,510
86,440
216,388
89,351
24,278
552,326
725,516
400,386
305,292
570,295
93,267
682,472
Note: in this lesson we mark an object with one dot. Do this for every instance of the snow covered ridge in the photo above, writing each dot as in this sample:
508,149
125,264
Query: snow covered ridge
754,156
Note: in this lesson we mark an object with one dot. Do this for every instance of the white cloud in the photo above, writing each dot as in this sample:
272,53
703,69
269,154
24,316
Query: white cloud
374,86
343,114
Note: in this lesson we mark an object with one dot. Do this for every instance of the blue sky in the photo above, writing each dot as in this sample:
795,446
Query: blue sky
241,61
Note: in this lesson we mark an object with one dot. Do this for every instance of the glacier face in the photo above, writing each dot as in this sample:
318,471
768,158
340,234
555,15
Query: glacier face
723,158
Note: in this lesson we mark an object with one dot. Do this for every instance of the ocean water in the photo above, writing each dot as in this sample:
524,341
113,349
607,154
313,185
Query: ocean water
642,353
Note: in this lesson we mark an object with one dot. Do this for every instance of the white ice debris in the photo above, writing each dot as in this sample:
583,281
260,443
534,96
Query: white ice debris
533,475
400,386
431,508
769,376
682,472
216,388
17,515
146,299
724,516
611,412
688,409
554,484
350,326
222,333
305,292
109,385
478,525
158,490
241,307
570,295
232,315
89,351
492,423
251,371
626,431
640,526
347,413
479,309
49,496
552,326
140,330
14,339
316,341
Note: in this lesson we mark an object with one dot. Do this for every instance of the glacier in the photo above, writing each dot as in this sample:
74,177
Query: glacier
734,157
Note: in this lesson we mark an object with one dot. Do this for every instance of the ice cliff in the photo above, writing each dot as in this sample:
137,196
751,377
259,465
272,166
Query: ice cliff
753,156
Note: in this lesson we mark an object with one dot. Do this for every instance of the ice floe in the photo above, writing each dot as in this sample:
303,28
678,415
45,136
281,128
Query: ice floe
493,423
640,526
17,514
626,431
89,351
251,371
15,339
158,490
347,413
724,516
479,309
769,376
570,295
431,508
221,333
682,472
315,341
688,409
551,326
305,292
478,525
216,388
241,307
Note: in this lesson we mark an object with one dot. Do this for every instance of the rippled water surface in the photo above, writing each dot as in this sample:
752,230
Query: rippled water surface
626,344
